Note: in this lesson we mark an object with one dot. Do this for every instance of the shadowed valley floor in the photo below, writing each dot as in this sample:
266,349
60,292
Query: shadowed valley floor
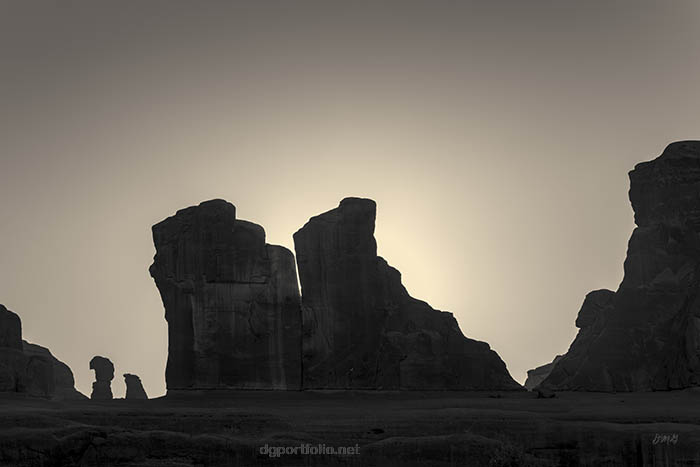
411,428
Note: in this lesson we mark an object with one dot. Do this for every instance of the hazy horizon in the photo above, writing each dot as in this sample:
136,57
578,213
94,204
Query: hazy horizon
495,137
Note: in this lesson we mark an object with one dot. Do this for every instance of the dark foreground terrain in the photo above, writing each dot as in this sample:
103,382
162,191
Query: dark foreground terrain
391,429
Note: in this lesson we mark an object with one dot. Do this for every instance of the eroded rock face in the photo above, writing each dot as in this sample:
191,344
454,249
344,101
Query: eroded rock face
10,329
231,302
104,374
537,375
13,362
13,370
63,383
134,388
361,327
29,368
646,336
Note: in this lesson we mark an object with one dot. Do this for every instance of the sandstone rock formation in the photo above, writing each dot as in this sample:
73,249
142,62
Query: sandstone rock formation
63,382
10,329
30,368
361,327
13,362
104,374
646,336
537,375
134,388
231,302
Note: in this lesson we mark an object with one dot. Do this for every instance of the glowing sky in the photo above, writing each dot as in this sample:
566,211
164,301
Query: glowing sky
495,137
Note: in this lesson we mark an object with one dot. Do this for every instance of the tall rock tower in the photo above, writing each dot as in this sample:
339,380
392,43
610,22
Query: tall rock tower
231,302
361,327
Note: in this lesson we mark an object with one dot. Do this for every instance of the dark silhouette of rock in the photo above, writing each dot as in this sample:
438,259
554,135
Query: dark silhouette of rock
10,329
29,368
646,336
13,362
537,375
231,302
13,370
104,374
134,388
63,383
363,330
40,377
592,320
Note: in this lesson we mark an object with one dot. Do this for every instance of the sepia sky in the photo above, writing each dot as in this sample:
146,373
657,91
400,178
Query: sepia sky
495,136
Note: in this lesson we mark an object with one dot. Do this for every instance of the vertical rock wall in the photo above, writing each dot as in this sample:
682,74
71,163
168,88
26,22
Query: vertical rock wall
646,336
231,302
363,330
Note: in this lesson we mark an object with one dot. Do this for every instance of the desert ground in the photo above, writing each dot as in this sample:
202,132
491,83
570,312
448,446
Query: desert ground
217,428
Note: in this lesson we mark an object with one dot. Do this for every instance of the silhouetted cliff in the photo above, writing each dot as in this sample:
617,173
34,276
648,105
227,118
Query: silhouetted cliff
646,336
363,330
30,368
231,302
235,320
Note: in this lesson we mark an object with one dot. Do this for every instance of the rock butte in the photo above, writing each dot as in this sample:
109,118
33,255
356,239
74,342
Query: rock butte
231,302
361,327
235,318
29,368
646,336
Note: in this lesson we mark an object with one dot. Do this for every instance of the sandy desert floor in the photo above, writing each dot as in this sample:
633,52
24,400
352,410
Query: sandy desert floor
389,428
